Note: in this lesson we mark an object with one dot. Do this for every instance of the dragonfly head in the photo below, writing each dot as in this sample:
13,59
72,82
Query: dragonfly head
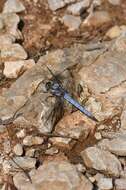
54,87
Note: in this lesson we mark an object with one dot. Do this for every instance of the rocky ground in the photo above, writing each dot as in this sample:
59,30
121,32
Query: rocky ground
44,145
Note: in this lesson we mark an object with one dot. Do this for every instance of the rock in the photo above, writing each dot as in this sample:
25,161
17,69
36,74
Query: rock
105,67
120,184
104,144
97,19
116,146
96,3
12,69
113,32
30,152
94,106
98,177
24,162
52,151
92,179
18,149
62,142
101,160
72,22
21,133
13,52
59,175
81,168
11,21
105,184
13,6
115,2
78,7
30,140
7,146
75,125
98,136
56,4
101,127
6,39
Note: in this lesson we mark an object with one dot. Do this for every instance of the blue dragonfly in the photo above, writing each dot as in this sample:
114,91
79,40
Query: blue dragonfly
56,89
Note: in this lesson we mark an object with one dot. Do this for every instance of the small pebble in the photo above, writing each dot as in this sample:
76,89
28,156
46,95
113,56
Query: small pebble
113,32
21,133
18,149
92,179
30,140
101,127
72,22
98,136
52,151
30,152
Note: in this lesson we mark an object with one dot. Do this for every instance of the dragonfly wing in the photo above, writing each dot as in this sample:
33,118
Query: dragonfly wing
78,106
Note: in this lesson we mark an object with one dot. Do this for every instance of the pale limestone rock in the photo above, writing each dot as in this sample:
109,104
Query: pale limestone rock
11,21
113,32
56,4
105,184
6,39
21,133
13,6
52,151
98,136
12,69
104,71
75,125
30,152
120,184
72,22
14,165
101,160
62,142
116,146
97,18
76,8
98,176
18,149
115,2
25,162
54,175
13,52
120,44
31,140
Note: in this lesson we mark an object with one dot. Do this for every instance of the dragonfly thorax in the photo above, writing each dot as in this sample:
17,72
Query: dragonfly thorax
54,88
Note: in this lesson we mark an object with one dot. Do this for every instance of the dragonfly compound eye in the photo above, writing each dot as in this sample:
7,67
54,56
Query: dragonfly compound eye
48,85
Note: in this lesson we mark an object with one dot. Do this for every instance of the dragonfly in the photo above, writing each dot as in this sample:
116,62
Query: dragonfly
56,88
